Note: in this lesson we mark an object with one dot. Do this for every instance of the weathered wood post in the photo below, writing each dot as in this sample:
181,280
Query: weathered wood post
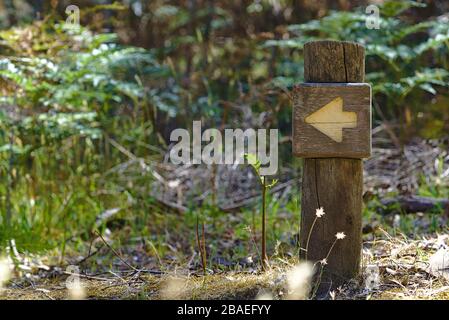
332,131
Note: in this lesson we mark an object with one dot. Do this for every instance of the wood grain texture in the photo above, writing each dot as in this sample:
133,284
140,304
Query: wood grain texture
334,61
335,184
311,140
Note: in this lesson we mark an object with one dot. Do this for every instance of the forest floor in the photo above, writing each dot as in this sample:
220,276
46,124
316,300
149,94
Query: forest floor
406,269
149,250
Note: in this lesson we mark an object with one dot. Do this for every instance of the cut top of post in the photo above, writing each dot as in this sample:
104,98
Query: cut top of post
334,61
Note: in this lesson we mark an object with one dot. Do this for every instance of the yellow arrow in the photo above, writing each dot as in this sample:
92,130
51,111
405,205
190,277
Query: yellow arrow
331,119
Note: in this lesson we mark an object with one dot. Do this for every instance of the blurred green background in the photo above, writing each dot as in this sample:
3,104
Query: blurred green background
85,111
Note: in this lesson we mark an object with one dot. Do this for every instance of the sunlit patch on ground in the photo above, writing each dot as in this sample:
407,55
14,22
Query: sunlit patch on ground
403,266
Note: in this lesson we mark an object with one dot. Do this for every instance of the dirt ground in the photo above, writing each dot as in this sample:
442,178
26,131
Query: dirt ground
405,269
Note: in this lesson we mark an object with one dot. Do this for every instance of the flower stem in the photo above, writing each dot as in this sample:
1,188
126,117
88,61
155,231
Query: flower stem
310,234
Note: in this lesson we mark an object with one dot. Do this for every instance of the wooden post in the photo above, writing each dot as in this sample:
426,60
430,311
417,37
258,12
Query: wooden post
333,183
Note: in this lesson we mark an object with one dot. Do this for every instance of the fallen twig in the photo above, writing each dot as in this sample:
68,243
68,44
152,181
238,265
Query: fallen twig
412,204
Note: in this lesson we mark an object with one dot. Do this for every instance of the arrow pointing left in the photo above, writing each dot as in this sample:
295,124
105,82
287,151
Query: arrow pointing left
331,119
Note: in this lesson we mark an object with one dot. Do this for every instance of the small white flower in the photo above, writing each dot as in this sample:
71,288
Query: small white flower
264,296
174,288
340,235
319,212
174,183
323,262
5,271
397,221
77,291
299,280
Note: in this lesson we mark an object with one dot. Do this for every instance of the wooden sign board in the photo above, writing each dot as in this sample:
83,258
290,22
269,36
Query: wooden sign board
332,120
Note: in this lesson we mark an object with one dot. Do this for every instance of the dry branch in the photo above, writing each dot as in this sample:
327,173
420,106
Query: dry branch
412,204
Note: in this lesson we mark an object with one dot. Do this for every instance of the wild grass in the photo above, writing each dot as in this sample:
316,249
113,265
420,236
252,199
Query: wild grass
402,273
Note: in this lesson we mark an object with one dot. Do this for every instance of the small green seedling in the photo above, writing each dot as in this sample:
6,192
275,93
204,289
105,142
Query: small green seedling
255,164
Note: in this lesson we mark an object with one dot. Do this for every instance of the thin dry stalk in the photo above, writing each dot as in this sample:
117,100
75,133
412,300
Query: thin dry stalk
115,252
201,244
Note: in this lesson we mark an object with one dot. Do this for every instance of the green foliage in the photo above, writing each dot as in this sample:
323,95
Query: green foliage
81,112
71,70
255,164
65,91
